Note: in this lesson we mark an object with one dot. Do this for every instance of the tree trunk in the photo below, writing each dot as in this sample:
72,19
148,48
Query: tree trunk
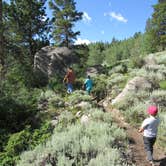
1,44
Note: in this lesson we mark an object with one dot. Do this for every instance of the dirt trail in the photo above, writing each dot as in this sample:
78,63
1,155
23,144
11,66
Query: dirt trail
136,142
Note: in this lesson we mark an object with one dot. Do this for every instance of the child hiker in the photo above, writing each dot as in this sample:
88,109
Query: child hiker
149,129
88,84
69,79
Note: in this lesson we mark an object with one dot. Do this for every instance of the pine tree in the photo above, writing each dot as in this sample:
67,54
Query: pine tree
1,40
28,25
160,1
159,23
64,17
155,35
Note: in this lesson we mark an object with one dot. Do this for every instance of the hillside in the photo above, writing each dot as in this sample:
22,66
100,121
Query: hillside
84,134
43,122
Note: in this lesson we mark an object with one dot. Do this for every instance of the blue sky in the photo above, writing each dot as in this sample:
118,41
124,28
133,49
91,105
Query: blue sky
105,19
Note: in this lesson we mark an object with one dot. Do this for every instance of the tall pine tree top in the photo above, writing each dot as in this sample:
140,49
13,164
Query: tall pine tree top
159,22
28,25
64,17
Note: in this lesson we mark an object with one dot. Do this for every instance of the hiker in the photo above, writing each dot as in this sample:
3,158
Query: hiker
69,79
88,84
149,129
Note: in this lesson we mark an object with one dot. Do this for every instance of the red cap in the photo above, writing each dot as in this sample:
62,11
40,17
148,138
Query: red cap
152,110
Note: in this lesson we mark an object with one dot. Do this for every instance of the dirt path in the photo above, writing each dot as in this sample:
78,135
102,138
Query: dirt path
136,142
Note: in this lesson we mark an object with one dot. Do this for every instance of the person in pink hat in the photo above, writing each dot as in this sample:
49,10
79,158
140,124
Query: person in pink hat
149,128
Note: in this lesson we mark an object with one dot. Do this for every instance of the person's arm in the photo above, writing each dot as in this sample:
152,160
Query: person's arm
85,82
65,78
141,130
143,126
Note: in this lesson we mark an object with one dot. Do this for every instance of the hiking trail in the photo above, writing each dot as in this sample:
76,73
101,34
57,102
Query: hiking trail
136,142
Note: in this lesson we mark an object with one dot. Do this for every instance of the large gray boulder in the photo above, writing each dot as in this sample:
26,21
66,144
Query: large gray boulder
51,60
134,85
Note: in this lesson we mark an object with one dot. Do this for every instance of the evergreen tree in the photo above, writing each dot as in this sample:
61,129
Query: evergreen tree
160,1
64,17
1,42
28,25
159,22
149,40
96,55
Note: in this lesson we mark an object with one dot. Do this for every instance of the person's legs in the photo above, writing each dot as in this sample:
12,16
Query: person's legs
69,88
152,142
88,90
148,144
147,148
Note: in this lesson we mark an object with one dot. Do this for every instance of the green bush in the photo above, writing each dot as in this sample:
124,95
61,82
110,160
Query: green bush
56,102
78,144
100,87
161,57
136,114
162,128
23,140
163,84
107,157
78,96
159,97
17,143
136,62
122,68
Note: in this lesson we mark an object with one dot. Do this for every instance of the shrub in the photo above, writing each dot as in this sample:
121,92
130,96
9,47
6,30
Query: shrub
136,62
77,144
55,84
159,97
162,127
15,145
77,97
118,69
23,140
161,58
99,89
163,84
131,99
56,102
136,114
47,95
107,157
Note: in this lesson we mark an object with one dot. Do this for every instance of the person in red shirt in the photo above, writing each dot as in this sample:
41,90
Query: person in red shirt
69,79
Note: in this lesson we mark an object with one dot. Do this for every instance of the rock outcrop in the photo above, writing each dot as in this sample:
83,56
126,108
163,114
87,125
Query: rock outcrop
137,83
94,70
50,60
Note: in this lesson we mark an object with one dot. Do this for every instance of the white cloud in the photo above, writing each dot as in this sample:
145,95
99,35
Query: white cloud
116,16
102,32
82,41
86,18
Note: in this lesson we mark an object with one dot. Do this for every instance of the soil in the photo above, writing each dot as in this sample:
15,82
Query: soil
136,142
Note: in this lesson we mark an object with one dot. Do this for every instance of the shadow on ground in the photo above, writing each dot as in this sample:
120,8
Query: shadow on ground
162,161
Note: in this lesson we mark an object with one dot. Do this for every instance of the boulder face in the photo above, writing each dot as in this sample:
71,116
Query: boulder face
94,70
137,83
50,60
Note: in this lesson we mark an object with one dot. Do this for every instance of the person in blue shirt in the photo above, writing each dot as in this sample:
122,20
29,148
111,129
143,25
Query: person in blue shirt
88,84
